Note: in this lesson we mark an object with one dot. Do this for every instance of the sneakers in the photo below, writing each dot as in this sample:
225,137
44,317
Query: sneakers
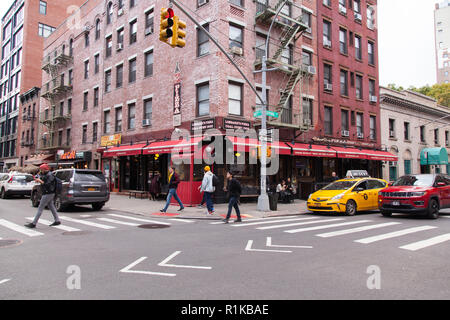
225,220
30,225
181,209
238,220
200,206
210,213
56,223
162,210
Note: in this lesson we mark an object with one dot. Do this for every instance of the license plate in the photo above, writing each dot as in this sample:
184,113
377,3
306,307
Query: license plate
317,204
395,203
91,189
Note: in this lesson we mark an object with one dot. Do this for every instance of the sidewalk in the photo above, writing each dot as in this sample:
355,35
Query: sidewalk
146,207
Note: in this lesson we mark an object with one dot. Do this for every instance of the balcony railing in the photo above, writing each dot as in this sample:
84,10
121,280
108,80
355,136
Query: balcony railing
54,115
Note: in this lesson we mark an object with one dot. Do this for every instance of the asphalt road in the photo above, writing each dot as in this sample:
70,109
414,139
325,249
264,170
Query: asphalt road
204,259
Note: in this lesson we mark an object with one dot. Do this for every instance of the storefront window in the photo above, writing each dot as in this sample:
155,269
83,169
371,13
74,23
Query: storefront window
329,166
183,171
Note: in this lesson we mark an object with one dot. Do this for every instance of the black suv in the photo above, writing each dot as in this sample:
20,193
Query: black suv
79,186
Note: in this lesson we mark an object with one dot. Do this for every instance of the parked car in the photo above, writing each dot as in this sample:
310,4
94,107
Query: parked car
16,183
79,186
416,194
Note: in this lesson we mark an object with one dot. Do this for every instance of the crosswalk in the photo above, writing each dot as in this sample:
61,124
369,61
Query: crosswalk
419,237
111,221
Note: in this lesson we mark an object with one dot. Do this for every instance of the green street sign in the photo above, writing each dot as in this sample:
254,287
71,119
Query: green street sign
272,114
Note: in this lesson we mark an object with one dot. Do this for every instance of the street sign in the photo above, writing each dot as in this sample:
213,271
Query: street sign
272,114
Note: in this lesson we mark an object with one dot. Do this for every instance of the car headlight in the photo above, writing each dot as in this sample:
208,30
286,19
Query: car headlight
310,196
339,196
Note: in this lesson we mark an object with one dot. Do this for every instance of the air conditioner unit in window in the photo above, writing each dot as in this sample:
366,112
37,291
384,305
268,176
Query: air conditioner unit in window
360,135
328,86
148,30
326,42
146,122
358,16
373,98
202,2
312,69
119,46
120,12
345,133
237,50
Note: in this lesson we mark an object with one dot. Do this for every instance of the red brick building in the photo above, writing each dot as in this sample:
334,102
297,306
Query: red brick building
113,82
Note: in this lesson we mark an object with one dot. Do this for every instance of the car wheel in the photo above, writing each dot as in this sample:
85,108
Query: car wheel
3,194
97,206
58,204
433,209
350,208
386,213
34,200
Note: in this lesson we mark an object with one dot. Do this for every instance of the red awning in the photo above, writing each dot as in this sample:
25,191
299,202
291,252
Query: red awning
244,144
126,150
380,155
313,150
350,153
179,146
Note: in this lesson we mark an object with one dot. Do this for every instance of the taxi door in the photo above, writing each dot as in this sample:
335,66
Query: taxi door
361,195
374,186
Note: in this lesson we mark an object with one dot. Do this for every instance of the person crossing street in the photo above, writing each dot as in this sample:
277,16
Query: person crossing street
234,190
208,189
174,180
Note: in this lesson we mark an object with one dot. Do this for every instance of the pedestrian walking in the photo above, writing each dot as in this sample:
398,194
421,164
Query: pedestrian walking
234,191
208,189
155,186
48,185
174,180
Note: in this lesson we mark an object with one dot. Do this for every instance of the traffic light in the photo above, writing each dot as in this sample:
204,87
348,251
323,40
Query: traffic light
165,31
178,33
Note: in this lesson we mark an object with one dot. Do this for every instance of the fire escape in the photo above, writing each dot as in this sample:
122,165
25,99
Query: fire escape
281,57
55,117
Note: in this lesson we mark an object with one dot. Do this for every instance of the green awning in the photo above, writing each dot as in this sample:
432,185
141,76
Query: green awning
434,156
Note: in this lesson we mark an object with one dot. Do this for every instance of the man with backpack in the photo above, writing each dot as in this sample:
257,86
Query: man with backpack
208,186
50,186
234,191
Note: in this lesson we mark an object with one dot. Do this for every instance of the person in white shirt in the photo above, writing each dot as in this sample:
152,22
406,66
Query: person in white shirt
208,188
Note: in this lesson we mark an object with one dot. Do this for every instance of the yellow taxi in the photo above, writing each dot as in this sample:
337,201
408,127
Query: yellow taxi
357,192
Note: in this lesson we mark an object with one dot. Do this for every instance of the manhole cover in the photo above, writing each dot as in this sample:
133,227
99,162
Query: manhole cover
153,226
75,233
9,243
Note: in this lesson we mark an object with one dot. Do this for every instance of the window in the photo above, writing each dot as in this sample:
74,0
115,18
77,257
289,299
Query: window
85,101
358,51
69,106
45,30
287,55
342,5
70,77
370,17
86,69
148,111
327,2
133,32
447,139
108,46
108,81
326,33
96,97
236,36
436,136
109,13
43,7
327,77
203,99
132,70
120,4
360,125
371,51
359,86
202,41
84,138
328,121
97,29
306,18
372,88
422,133
94,131
307,105
120,34
106,121
391,128
357,6
132,3
406,130
343,41
68,137
119,76
344,121
234,98
148,64
131,116
407,164
86,39
306,58
237,2
118,122
373,128
201,2
344,82
149,17
96,63
286,111
71,47
61,108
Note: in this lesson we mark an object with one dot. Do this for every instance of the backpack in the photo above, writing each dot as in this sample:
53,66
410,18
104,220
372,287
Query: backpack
58,185
215,181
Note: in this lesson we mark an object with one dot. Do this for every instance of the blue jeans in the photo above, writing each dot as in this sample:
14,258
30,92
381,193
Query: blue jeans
172,193
208,200
233,203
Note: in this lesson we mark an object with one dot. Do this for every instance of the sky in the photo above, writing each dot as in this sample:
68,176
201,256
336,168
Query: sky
405,41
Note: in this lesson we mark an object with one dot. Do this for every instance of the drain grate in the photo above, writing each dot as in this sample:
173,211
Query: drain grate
75,233
153,226
9,243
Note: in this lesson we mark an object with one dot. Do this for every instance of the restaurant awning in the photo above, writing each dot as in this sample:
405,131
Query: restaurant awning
379,155
312,150
244,144
179,146
433,156
125,150
349,153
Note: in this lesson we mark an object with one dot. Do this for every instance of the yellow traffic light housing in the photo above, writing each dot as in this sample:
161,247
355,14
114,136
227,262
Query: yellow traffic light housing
178,33
165,31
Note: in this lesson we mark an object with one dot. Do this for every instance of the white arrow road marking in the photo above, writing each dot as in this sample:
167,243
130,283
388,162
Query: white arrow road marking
269,244
137,219
20,229
65,228
4,280
164,263
127,269
249,248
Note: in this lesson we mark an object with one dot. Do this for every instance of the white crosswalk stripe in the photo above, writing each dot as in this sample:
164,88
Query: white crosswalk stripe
257,219
326,226
118,222
88,223
426,243
20,229
60,227
354,230
393,234
298,224
271,221
137,219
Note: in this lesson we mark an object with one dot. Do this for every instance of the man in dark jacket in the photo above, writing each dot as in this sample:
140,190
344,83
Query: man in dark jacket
48,185
234,190
174,180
